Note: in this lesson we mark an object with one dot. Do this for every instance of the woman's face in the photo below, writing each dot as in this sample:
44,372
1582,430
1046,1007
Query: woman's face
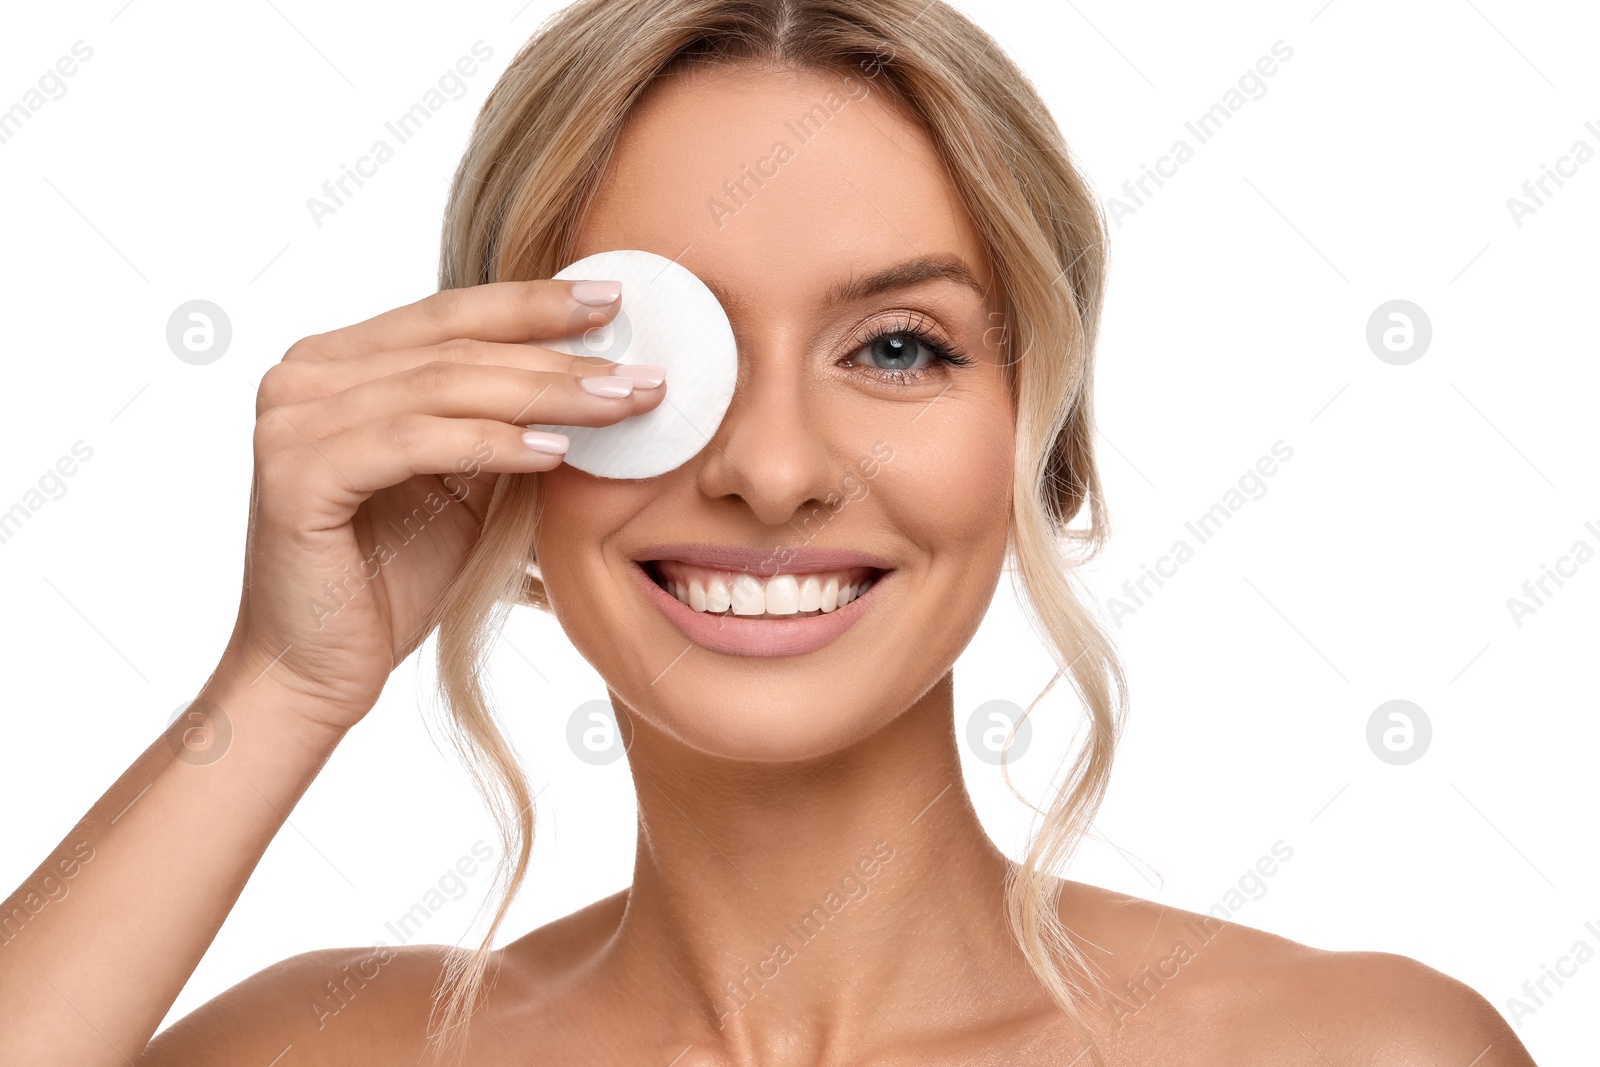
851,453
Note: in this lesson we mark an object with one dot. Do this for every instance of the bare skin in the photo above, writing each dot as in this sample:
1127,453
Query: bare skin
764,785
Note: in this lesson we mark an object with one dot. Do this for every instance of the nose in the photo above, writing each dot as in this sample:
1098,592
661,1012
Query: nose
771,450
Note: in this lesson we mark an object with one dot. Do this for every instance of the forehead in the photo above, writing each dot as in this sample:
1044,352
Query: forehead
775,186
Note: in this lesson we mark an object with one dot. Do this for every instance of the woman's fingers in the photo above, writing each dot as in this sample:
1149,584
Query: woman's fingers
494,311
351,466
448,390
294,380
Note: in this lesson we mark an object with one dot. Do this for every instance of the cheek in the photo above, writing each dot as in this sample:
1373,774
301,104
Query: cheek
949,483
578,513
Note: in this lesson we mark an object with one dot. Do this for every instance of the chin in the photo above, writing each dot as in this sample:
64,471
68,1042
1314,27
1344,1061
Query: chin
746,651
762,708
735,714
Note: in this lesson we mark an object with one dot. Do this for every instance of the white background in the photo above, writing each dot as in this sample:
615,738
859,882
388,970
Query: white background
1377,565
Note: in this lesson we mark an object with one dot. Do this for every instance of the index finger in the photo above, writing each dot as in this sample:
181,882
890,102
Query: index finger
514,311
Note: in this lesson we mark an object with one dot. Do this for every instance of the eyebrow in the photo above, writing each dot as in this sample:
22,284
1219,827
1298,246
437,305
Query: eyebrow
900,276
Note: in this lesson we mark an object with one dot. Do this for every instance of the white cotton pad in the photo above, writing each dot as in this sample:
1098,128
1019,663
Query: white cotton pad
669,318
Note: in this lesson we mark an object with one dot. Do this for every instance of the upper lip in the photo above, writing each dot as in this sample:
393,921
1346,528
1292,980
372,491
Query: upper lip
765,561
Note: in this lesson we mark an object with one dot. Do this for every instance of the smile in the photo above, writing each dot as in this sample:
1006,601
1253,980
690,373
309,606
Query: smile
780,597
716,601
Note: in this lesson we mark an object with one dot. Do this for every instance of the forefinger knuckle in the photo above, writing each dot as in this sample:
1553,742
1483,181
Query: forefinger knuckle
407,432
434,377
443,308
308,347
279,385
269,432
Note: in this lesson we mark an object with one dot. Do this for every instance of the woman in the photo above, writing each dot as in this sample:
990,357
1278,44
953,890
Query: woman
913,269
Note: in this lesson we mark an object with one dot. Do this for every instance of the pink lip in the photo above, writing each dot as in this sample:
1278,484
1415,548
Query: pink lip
737,636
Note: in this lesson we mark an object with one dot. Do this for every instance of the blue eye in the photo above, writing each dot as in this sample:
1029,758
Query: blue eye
904,352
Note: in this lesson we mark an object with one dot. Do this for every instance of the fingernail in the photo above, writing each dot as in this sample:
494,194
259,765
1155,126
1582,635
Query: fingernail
644,375
596,294
601,385
539,441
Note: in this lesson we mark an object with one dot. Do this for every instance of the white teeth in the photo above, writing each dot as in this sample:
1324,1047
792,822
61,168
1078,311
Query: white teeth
783,595
717,592
749,598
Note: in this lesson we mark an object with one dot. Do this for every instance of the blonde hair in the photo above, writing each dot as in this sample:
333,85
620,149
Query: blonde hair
529,174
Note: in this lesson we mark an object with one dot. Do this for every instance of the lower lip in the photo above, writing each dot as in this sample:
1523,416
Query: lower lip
736,635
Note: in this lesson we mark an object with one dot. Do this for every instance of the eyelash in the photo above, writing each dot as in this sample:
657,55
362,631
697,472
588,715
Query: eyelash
916,330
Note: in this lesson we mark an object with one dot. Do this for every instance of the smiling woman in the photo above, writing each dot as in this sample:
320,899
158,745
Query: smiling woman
861,289
915,307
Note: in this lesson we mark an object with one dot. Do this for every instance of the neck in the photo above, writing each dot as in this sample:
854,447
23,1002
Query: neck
791,907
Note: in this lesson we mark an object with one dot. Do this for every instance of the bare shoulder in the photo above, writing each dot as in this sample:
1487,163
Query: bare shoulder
347,1007
1172,975
539,974
330,1006
1393,1010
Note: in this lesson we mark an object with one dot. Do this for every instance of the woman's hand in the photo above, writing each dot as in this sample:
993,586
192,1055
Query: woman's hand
376,449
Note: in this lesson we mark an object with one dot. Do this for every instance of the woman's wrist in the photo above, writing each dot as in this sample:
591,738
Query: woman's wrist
237,695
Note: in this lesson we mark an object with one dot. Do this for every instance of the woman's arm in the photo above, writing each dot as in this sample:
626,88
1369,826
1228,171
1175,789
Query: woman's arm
416,411
100,939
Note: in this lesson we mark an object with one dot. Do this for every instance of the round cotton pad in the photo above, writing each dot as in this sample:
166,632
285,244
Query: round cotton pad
669,318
